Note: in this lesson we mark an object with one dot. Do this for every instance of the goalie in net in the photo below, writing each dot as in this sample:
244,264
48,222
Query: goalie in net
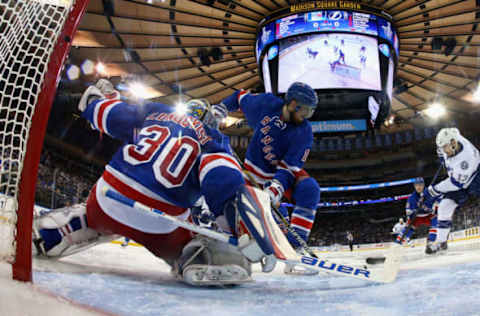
169,161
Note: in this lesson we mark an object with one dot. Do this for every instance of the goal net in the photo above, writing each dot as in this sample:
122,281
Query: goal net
35,37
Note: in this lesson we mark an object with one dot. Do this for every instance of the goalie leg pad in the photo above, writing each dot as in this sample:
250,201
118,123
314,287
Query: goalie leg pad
249,205
205,261
64,231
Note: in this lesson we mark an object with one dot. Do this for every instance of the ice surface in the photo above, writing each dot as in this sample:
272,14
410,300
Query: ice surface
130,281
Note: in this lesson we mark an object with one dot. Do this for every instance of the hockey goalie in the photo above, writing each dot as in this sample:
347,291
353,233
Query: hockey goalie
169,161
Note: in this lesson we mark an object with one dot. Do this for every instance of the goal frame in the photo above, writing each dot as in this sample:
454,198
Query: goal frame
22,265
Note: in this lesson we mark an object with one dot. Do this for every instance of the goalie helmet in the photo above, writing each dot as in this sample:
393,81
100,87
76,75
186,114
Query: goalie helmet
445,135
202,110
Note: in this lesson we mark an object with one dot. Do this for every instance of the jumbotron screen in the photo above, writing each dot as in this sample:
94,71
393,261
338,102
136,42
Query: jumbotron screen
329,61
326,21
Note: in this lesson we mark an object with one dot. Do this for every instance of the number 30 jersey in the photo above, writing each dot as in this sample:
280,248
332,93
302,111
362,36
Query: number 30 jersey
166,155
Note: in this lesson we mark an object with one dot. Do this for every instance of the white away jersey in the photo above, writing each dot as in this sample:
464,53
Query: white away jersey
462,168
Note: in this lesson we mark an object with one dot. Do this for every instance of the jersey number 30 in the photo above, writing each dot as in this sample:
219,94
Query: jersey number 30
175,160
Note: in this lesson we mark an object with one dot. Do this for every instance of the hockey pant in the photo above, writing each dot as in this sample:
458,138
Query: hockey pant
429,220
167,246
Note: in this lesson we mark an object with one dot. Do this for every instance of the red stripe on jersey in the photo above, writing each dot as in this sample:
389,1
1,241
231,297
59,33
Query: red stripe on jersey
240,95
102,109
261,176
297,174
301,174
135,195
302,222
214,157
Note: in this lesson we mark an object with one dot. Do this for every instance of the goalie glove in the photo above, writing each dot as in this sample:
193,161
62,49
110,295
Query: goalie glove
201,215
91,94
107,89
275,190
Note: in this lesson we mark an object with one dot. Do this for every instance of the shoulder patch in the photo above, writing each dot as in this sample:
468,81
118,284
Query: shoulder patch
464,165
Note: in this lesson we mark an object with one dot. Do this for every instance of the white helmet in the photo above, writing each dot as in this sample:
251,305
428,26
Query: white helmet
445,135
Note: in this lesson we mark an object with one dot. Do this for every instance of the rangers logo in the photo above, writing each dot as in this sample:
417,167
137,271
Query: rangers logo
464,165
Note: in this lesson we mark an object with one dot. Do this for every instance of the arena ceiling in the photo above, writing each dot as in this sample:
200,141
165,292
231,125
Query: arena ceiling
158,41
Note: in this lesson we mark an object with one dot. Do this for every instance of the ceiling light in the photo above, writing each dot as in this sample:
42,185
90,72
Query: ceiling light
435,111
101,69
476,94
88,67
181,108
138,90
72,72
391,120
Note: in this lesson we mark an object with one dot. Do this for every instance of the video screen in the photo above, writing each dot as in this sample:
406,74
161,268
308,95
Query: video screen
329,61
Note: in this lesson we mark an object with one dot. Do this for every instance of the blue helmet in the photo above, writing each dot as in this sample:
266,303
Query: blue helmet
303,94
419,180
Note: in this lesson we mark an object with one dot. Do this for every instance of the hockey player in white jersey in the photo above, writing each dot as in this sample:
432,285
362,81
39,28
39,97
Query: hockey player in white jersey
398,228
168,162
461,160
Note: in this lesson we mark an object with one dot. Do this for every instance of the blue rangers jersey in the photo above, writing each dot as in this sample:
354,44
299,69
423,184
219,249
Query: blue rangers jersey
418,205
165,157
277,149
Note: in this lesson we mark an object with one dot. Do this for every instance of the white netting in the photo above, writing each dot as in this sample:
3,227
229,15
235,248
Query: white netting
28,32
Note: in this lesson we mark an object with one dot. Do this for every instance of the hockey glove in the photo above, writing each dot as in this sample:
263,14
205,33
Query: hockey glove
431,195
107,89
275,190
91,94
204,218
219,111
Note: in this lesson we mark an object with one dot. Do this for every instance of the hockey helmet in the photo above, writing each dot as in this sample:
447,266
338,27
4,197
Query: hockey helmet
445,135
201,110
304,95
419,180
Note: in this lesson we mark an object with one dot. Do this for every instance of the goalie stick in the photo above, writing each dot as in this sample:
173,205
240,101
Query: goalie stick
377,260
160,214
279,215
283,250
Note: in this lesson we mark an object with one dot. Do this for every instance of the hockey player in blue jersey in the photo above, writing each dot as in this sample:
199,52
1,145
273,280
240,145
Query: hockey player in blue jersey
280,146
420,212
461,160
168,161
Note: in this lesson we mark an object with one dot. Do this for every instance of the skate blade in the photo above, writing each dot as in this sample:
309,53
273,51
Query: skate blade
208,275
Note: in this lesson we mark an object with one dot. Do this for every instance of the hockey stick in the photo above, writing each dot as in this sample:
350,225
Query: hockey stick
284,221
318,264
160,214
279,215
376,260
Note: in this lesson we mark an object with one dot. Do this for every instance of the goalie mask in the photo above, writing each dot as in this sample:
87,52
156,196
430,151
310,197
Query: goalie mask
202,110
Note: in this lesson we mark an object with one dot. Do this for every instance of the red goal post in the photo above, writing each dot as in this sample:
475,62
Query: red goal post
35,38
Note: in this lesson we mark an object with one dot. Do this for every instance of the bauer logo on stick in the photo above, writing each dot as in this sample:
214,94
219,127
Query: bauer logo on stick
329,266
